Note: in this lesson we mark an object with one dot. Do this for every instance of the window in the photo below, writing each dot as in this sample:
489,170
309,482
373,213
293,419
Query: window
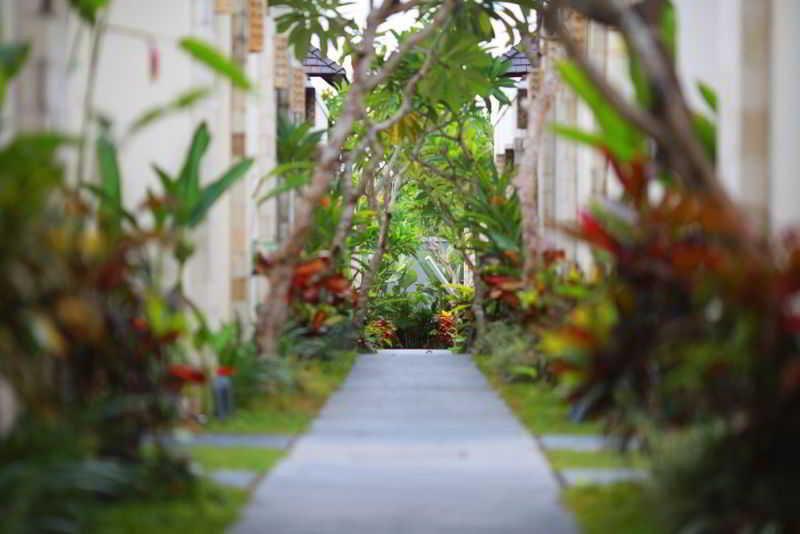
509,158
522,109
311,105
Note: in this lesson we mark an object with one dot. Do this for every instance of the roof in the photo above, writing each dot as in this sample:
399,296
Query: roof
520,65
315,64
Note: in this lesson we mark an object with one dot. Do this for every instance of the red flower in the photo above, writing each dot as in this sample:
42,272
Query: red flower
224,370
318,321
336,284
594,232
186,374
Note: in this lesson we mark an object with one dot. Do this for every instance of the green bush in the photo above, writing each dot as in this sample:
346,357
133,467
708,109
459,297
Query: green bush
511,352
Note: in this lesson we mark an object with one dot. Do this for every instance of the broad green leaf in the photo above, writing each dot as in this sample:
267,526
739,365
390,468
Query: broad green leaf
167,182
212,192
620,138
188,184
214,60
576,134
111,208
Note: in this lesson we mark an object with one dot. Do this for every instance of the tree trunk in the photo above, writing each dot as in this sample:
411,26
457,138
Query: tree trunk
273,312
539,104
480,296
360,313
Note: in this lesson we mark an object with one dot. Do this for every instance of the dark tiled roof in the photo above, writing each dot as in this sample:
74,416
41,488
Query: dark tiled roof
520,66
315,64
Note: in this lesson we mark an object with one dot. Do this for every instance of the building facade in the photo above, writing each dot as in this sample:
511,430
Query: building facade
139,66
745,50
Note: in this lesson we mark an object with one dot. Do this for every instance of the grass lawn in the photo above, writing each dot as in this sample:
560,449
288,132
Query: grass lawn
242,458
290,412
617,508
566,459
208,510
537,406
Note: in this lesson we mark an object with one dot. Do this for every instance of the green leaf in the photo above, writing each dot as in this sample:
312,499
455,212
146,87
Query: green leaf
183,101
619,137
641,86
212,192
88,9
167,182
503,241
709,95
290,183
576,134
524,372
111,208
214,60
669,28
188,183
12,58
706,131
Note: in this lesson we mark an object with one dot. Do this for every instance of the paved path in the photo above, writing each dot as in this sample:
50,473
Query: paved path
413,443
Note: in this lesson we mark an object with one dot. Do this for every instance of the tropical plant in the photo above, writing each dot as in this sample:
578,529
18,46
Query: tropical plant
695,329
87,334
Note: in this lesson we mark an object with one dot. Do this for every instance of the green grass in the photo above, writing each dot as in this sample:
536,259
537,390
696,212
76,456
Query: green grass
243,458
537,406
617,508
283,415
210,509
292,411
566,459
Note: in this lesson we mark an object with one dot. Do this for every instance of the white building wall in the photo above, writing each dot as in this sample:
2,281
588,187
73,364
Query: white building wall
51,90
505,120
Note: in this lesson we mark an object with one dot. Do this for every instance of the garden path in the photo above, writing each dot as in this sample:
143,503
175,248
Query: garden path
415,442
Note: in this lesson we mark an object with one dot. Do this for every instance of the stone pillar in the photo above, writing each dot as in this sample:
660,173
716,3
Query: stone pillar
591,174
784,133
239,232
744,139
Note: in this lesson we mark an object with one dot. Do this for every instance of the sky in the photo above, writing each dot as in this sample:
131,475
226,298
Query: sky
359,9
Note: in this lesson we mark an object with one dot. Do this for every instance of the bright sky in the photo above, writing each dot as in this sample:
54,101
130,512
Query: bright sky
359,9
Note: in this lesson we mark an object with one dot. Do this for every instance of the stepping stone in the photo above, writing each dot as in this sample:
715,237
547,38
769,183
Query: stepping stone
415,442
575,477
233,477
576,442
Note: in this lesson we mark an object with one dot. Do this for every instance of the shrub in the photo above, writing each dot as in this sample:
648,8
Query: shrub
511,351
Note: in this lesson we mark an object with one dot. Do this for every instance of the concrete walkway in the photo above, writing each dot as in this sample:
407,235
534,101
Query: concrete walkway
414,443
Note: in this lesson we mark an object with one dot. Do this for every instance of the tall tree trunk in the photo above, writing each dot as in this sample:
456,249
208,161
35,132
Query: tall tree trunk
274,311
360,314
480,296
540,102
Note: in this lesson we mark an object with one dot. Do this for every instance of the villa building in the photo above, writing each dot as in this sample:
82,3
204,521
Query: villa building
140,66
745,50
